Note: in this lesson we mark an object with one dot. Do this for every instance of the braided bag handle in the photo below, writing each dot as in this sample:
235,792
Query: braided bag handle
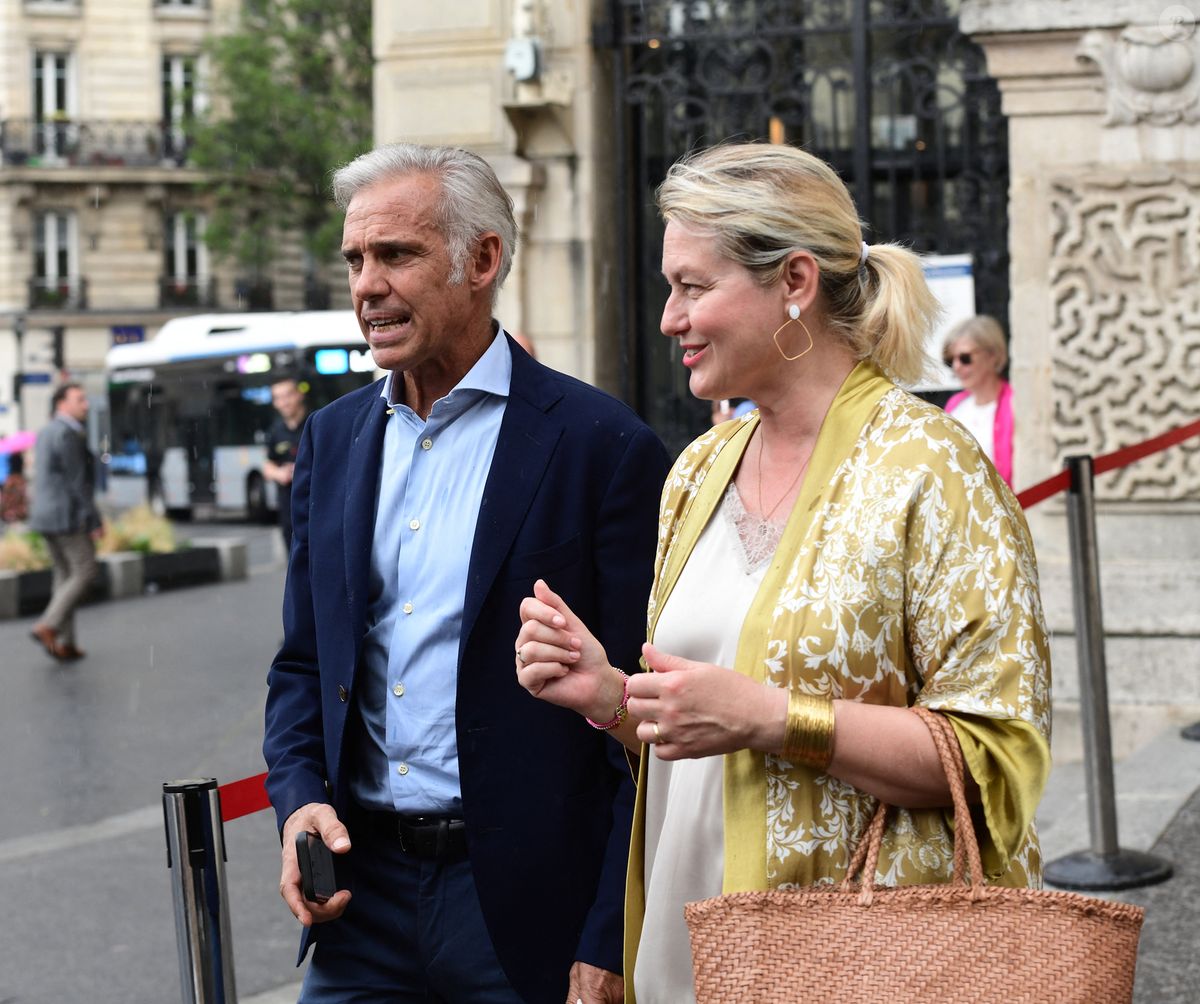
966,847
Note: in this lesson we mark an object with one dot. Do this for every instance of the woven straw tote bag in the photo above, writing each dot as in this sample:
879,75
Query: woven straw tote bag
955,943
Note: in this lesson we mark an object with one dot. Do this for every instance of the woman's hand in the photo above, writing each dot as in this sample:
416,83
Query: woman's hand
559,660
703,710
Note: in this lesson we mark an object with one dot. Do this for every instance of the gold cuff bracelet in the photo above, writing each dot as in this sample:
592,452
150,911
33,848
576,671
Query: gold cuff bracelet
808,734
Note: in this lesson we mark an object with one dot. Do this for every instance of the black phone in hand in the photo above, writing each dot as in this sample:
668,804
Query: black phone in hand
317,880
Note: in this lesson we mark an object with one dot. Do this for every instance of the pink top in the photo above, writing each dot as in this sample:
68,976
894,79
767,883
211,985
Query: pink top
1002,431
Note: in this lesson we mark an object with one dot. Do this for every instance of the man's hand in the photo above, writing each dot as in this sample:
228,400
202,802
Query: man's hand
281,474
315,817
559,660
590,985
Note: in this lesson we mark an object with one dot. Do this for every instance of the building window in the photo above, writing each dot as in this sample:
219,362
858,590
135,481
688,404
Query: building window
179,105
185,266
186,7
53,104
55,260
51,6
51,85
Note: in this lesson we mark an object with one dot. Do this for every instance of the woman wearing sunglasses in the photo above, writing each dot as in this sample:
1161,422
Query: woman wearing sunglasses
976,352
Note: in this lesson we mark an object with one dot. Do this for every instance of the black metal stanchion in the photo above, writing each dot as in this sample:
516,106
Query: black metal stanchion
1106,865
196,857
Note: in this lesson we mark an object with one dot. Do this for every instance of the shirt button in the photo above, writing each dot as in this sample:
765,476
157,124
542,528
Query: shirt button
341,693
426,444
414,524
407,608
402,769
398,690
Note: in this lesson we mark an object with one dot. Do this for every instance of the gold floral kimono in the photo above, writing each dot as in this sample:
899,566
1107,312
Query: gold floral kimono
906,574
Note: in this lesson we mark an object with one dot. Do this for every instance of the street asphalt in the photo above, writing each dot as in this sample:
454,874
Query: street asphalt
173,687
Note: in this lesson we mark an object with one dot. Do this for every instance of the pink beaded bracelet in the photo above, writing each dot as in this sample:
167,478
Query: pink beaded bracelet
622,708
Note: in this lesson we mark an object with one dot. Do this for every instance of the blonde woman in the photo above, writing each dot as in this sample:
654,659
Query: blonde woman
975,350
824,563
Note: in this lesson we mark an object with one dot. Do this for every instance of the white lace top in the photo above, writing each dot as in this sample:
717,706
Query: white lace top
759,537
685,840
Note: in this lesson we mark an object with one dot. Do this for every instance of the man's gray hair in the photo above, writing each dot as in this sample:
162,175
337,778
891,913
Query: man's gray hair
473,200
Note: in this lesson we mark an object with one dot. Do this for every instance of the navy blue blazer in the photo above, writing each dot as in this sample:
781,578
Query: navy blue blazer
572,497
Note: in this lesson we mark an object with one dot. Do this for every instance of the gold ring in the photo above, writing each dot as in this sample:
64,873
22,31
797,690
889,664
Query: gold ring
657,733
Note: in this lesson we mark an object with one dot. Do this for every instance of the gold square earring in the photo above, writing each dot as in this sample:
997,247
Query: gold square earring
793,315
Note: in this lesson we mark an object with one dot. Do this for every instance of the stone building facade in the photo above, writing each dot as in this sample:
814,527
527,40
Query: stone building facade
520,83
1099,174
1103,106
1102,263
101,224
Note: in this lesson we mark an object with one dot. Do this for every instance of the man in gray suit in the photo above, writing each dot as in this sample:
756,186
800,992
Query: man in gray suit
64,512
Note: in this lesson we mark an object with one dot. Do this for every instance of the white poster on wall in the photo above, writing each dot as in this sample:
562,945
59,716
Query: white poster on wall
951,278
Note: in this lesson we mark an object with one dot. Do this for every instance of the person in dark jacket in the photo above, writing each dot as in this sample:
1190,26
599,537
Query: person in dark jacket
481,836
64,513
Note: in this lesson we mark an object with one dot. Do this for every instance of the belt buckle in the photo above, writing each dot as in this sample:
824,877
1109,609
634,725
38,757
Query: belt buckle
425,837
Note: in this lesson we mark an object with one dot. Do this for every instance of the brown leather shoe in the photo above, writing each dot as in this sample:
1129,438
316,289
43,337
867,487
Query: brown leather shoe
44,635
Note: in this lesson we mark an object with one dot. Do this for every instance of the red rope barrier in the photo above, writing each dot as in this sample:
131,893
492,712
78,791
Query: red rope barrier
241,798
1123,457
1044,489
249,795
1126,456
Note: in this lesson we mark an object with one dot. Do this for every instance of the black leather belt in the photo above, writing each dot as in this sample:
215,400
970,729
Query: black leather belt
435,837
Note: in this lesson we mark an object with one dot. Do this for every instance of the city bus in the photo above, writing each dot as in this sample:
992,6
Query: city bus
190,409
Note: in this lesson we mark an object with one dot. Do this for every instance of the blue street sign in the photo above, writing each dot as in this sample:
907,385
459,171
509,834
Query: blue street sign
127,334
34,377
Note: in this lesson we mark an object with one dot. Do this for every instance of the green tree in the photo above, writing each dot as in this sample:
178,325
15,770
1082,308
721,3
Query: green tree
291,100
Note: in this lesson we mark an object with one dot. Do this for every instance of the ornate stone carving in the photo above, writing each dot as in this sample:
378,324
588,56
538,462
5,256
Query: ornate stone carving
1150,72
1125,324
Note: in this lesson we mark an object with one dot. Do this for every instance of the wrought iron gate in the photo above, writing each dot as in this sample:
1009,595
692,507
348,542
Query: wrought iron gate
888,91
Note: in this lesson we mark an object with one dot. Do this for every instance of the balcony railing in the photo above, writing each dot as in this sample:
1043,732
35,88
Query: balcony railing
317,295
64,142
254,294
68,294
196,291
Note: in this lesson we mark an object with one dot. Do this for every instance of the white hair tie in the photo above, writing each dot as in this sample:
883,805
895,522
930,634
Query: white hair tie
862,258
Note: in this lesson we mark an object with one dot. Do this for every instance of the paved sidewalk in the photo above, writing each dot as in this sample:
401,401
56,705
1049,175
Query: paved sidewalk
1158,810
1152,784
280,995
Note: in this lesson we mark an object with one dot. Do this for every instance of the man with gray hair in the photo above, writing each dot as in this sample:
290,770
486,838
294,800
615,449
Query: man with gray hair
479,836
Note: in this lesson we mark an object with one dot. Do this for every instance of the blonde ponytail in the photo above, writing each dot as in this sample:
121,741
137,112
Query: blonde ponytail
900,312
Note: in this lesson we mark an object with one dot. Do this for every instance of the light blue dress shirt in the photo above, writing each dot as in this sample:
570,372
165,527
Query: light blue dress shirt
431,481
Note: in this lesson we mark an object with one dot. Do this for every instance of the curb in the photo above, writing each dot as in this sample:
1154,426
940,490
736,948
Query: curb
131,573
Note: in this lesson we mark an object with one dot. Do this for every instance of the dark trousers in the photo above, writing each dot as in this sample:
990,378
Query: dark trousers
413,932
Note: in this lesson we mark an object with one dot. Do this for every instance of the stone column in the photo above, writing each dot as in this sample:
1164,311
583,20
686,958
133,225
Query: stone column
1103,100
514,80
